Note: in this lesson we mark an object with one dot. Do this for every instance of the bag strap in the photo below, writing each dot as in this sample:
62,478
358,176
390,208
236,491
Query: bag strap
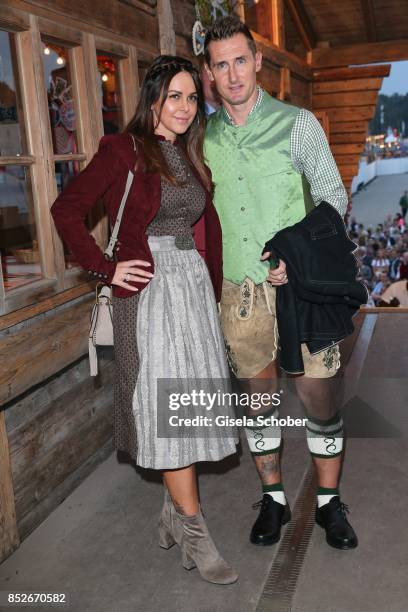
114,236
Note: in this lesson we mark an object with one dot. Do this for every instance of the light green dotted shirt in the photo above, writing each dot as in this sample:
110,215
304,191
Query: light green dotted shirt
267,173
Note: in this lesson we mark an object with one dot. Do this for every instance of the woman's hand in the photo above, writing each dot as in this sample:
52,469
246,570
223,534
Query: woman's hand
127,271
277,276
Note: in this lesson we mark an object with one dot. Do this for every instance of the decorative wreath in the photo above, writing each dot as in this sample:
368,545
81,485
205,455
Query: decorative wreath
208,11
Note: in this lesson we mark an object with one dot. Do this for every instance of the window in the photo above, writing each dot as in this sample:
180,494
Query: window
51,121
62,118
108,68
20,259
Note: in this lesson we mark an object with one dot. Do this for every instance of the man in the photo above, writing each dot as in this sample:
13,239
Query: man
380,287
212,101
404,204
270,162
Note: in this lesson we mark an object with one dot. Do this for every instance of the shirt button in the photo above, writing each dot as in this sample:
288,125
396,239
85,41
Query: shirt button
245,239
240,178
242,207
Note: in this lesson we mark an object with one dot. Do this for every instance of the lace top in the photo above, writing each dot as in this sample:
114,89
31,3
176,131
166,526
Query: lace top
180,206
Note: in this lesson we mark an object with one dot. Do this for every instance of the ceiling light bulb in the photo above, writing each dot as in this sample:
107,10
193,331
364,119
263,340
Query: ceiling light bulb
47,50
60,60
105,77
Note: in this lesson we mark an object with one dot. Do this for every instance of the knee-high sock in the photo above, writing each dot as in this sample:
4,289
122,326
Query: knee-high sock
264,440
325,438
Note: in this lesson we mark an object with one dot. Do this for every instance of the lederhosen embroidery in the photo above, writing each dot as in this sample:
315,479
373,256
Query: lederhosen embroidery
244,308
329,356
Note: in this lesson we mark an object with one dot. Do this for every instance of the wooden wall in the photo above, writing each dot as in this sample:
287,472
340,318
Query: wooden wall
56,421
348,96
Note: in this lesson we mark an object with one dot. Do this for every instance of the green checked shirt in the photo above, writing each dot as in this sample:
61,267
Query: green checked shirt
268,174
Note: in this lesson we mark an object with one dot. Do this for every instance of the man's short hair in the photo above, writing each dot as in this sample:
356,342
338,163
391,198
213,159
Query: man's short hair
224,28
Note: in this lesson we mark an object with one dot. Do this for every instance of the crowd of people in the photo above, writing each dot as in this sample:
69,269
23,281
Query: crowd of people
382,256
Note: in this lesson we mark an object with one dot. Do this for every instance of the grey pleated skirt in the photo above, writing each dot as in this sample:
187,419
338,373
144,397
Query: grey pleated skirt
178,338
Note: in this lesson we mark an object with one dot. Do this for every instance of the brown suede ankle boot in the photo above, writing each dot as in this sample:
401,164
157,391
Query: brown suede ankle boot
170,526
198,550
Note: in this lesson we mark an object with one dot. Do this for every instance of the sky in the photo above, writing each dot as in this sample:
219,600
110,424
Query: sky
397,82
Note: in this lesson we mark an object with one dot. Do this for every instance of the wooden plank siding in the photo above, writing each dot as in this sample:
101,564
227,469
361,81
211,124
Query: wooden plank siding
33,352
349,97
9,536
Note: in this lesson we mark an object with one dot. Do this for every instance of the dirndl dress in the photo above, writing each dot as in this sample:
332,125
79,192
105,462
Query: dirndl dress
170,332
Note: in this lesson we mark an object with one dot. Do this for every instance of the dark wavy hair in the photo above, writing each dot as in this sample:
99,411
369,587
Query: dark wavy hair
155,87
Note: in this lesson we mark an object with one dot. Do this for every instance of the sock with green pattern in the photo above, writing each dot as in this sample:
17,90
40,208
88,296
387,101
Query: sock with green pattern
276,492
325,494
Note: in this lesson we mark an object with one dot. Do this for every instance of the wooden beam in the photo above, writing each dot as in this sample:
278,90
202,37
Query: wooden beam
362,53
348,138
239,9
278,23
30,52
282,58
9,538
340,127
347,160
28,312
324,122
347,149
351,113
45,346
167,34
285,84
127,25
13,20
142,6
129,84
302,22
369,20
348,98
323,87
95,128
356,72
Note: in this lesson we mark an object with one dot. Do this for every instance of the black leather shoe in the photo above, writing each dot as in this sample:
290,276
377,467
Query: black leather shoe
267,527
339,532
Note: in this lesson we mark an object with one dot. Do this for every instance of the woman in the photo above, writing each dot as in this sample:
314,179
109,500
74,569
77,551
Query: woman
165,318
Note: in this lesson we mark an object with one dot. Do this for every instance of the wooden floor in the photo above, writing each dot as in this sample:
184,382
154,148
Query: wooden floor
100,544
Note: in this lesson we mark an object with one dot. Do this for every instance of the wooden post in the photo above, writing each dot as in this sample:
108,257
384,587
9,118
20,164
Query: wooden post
40,145
239,9
284,88
129,84
9,538
166,27
91,73
278,24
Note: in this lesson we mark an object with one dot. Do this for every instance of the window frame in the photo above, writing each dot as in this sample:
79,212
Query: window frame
59,284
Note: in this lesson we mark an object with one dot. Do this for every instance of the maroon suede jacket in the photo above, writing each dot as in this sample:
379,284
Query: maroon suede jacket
105,178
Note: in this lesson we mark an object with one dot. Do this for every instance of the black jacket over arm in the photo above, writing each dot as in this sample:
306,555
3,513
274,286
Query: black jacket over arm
317,304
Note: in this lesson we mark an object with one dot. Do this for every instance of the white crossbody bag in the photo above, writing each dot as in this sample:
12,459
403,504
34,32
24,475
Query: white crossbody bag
101,331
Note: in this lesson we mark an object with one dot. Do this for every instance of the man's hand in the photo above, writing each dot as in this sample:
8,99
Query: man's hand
278,275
